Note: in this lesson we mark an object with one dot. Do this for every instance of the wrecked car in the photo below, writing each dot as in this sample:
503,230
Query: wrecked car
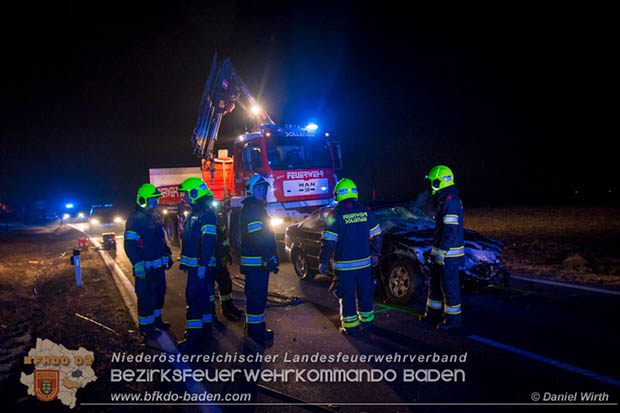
404,264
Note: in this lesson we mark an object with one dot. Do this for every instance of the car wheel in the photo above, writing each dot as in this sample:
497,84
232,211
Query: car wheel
300,263
400,282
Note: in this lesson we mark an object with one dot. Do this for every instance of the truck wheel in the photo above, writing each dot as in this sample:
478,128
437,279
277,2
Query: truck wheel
300,263
401,282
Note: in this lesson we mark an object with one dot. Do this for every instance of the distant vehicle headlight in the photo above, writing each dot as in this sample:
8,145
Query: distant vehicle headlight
118,219
81,215
215,204
165,211
186,213
94,221
275,221
66,216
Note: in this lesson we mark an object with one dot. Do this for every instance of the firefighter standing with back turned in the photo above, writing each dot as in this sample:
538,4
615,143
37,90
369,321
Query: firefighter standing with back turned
145,246
258,256
198,260
448,252
353,235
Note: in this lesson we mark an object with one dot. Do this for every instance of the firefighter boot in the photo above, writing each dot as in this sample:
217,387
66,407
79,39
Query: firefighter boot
230,311
259,332
431,317
191,343
451,323
353,331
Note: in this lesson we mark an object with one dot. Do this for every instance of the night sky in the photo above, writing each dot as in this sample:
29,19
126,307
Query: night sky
513,99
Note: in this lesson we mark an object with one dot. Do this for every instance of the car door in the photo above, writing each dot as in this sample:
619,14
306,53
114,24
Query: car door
311,232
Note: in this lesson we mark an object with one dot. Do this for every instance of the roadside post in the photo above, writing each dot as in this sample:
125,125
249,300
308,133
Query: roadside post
75,261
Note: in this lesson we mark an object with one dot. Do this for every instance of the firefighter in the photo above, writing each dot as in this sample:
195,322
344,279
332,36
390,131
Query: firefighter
223,255
258,256
198,260
145,245
353,235
448,252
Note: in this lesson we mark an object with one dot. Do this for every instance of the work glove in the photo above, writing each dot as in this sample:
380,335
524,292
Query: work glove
170,262
439,259
324,268
272,265
374,260
202,272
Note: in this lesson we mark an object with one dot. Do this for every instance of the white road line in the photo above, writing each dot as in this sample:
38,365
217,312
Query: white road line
560,364
128,294
565,285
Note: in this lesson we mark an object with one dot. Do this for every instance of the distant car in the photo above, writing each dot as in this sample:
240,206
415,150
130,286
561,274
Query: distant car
104,218
404,264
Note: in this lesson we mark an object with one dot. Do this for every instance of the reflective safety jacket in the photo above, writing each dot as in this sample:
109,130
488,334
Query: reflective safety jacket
145,242
199,235
258,242
448,235
351,234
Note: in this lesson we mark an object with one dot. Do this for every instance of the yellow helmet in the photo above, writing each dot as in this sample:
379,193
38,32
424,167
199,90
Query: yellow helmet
345,189
145,192
440,177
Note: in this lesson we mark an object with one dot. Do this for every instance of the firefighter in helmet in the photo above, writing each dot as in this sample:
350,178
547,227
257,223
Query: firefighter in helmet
145,245
258,256
448,252
353,236
198,260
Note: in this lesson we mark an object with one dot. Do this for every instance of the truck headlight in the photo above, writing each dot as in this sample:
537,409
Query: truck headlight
94,221
118,219
276,221
81,215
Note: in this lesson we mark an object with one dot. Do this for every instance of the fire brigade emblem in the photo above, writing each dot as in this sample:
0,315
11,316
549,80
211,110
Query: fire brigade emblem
46,384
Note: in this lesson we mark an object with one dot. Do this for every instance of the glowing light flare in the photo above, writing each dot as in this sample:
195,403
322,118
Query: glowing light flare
276,221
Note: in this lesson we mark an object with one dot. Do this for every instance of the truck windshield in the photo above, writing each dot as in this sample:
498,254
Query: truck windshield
288,152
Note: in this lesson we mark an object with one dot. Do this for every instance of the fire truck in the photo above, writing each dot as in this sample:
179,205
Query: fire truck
300,163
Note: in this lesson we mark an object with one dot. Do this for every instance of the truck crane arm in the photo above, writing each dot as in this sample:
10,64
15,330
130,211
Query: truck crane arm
222,90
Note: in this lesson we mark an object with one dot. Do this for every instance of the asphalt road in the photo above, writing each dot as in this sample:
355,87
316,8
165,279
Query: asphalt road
529,339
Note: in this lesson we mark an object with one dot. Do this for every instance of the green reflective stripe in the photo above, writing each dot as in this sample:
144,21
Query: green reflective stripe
190,262
157,313
438,251
330,236
451,219
375,231
212,298
352,265
255,226
207,318
154,264
132,235
139,270
452,309
195,323
434,304
350,318
146,320
368,317
208,229
165,260
351,324
455,252
252,261
255,318
226,297
212,262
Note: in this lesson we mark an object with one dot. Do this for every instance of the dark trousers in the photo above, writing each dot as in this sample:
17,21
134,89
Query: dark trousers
444,288
146,291
199,306
256,287
224,283
355,288
159,281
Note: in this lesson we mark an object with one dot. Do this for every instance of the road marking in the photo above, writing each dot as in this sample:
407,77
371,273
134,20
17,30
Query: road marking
565,285
128,294
547,360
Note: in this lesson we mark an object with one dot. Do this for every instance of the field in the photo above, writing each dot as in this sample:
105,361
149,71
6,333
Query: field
575,244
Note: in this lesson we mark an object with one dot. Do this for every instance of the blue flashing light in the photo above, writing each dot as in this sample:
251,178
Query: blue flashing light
311,127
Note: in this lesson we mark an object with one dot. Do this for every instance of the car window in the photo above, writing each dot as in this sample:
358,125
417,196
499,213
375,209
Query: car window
315,222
